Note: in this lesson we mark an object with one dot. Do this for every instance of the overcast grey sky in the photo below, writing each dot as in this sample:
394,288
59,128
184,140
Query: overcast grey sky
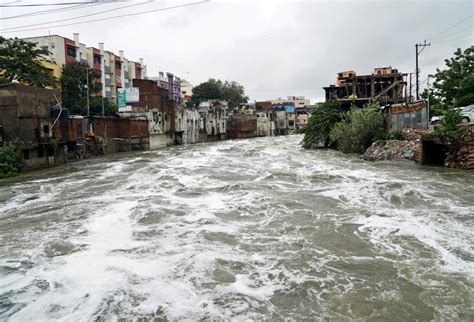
274,48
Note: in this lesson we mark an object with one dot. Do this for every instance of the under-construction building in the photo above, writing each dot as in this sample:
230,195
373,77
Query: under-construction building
385,85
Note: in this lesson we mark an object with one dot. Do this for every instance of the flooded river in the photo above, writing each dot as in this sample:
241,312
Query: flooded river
250,229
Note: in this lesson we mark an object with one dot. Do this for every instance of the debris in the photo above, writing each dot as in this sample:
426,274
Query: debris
385,150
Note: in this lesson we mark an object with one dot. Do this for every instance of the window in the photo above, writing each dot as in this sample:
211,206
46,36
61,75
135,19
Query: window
118,65
44,47
97,60
71,51
183,92
46,129
26,154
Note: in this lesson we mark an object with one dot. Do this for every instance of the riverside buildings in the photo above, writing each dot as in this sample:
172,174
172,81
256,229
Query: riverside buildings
116,70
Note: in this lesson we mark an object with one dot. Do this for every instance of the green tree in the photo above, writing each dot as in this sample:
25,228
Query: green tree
450,123
356,131
74,90
456,82
234,92
218,90
320,125
10,161
20,61
95,104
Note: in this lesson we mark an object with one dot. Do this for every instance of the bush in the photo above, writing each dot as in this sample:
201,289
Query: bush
451,119
387,135
10,161
356,131
320,124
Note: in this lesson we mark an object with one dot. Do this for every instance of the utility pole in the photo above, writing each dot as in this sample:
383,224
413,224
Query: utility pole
409,96
417,69
87,82
428,105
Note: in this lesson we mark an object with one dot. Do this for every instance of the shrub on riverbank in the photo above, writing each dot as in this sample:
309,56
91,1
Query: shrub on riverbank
320,123
450,123
356,131
10,161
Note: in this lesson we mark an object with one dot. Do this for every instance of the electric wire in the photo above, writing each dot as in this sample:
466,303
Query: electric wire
78,17
49,11
448,40
456,33
44,4
114,17
450,27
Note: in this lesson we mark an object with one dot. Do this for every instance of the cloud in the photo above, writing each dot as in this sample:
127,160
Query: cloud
277,48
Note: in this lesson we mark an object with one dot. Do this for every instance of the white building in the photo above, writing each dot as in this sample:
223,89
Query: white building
298,101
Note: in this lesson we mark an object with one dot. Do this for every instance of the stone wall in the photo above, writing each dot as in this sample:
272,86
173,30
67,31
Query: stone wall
461,155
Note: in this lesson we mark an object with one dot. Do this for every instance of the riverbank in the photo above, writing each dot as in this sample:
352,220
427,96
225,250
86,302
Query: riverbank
426,147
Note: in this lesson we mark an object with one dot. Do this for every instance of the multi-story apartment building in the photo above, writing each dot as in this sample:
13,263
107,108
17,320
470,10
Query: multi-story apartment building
116,71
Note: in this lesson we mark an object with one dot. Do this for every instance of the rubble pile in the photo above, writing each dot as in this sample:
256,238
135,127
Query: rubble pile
385,150
413,134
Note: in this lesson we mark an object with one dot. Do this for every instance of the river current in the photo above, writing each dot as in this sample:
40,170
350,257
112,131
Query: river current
256,229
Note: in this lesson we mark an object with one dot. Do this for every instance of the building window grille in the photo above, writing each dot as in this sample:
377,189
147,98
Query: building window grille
97,60
71,51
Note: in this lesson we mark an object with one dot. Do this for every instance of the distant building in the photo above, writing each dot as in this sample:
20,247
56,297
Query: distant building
171,83
298,101
186,90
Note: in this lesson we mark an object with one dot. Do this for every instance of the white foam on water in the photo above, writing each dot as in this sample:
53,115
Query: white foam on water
169,238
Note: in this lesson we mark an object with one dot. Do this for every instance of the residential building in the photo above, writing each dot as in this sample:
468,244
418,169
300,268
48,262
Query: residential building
116,71
171,83
298,101
186,90
212,116
25,120
302,117
265,123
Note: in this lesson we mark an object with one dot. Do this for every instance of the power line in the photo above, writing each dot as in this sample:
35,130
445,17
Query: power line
114,17
448,40
450,27
44,4
454,33
49,11
73,18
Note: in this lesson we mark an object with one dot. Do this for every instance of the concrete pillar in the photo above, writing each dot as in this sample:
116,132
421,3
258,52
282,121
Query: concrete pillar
141,66
77,45
122,71
102,68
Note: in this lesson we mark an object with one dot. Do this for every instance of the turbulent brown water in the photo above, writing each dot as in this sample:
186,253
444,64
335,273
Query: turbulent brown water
250,229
